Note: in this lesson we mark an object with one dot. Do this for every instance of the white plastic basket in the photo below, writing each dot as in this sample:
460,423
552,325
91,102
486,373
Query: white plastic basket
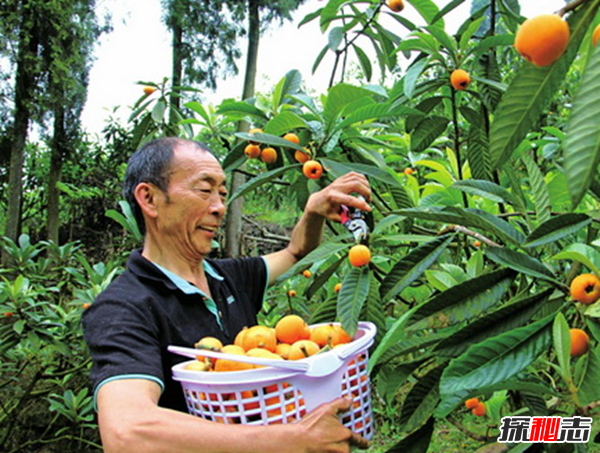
283,391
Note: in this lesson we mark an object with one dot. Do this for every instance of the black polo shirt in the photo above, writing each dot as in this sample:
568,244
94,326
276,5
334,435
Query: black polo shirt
131,323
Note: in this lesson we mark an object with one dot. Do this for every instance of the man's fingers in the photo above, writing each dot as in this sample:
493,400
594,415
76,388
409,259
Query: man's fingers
359,441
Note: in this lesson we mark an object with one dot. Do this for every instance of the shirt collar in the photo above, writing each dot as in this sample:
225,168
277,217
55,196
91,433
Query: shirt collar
186,286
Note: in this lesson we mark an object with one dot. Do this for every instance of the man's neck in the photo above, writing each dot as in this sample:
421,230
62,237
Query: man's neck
191,270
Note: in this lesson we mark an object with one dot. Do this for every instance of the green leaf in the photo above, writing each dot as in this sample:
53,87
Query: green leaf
539,190
322,252
338,169
585,254
364,60
417,442
464,301
581,149
520,262
557,228
589,390
229,107
428,11
478,153
336,34
282,123
374,112
531,90
413,265
474,218
322,278
351,298
412,76
497,359
502,320
339,97
158,111
391,337
420,402
263,178
562,345
485,189
427,131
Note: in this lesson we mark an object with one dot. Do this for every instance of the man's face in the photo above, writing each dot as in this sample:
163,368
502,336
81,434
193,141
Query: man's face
194,205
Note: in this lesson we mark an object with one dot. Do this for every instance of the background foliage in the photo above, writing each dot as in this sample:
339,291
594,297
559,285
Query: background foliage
473,250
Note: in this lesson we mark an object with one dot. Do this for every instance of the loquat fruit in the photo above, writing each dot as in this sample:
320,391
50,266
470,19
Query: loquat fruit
479,410
585,288
302,156
471,403
252,151
290,136
541,40
596,35
291,328
312,169
580,342
148,90
395,5
268,155
460,79
359,255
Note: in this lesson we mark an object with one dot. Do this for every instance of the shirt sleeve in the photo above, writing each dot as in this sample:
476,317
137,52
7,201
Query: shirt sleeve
122,339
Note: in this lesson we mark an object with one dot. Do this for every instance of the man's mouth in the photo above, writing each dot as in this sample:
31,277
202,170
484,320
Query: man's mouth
208,228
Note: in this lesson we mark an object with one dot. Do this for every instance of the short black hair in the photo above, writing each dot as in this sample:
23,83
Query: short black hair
151,164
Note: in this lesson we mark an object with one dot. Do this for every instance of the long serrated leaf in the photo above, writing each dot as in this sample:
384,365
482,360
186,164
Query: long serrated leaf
351,298
413,265
504,319
364,60
322,278
589,390
539,190
412,76
417,442
581,149
260,180
229,107
532,89
427,131
323,251
420,402
464,301
520,262
394,333
478,153
341,168
374,112
475,218
339,97
497,359
562,345
557,228
485,189
583,253
284,122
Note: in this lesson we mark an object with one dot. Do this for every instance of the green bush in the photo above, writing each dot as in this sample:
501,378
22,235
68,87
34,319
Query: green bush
45,399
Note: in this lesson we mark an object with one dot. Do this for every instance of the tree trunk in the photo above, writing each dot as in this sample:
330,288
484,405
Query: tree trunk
233,225
177,68
24,89
56,161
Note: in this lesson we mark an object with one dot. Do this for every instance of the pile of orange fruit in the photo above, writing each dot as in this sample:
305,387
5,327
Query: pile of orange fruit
291,339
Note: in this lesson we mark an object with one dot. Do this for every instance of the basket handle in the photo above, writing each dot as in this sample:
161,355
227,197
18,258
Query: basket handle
354,347
282,364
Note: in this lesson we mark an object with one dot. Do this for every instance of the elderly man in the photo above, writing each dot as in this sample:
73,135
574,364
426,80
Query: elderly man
171,293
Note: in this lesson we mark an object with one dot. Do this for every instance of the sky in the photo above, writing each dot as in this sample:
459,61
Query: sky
138,49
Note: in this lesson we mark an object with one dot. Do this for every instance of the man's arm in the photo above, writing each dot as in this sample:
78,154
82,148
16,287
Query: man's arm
324,204
130,420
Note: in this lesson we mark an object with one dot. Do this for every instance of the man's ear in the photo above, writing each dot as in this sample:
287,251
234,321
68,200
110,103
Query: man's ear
147,196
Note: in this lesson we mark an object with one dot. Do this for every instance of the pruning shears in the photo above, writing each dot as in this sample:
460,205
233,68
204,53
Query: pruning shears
355,221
